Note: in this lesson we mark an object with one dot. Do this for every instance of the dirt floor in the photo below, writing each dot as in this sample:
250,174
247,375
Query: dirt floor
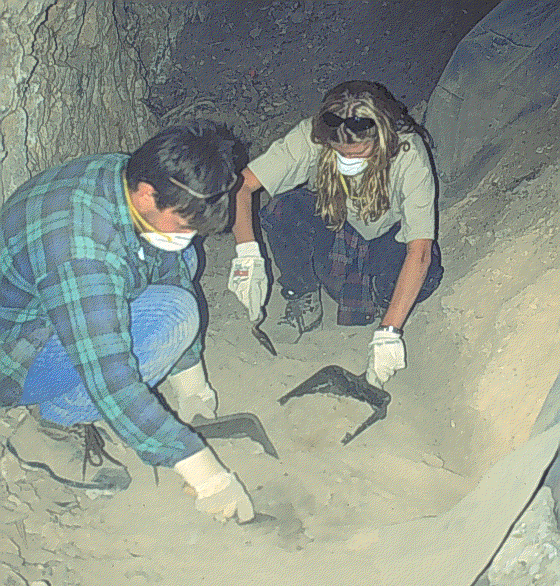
469,393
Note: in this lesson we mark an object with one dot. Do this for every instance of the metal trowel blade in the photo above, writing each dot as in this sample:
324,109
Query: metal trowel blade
235,425
336,380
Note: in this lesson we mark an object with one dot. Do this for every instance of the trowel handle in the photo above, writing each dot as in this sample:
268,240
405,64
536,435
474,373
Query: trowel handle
259,320
377,383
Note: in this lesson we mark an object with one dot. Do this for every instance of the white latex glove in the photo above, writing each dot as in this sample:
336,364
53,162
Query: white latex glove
194,394
218,492
247,278
386,355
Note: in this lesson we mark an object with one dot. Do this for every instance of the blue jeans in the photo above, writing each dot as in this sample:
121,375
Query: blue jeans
164,323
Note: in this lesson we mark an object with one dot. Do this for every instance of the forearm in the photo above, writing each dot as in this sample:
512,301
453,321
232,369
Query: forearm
243,227
140,419
410,281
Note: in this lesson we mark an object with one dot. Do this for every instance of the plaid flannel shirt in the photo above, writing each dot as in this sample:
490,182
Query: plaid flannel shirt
70,265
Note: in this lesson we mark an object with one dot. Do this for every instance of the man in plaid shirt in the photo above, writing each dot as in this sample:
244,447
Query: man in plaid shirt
97,303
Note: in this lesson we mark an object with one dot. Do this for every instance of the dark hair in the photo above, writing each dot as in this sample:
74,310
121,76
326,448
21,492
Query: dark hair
191,168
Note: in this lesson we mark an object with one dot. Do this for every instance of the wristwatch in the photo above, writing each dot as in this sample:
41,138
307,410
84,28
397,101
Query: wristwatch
392,329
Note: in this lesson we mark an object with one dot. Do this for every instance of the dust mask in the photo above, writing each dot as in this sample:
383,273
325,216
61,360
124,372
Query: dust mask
350,166
170,241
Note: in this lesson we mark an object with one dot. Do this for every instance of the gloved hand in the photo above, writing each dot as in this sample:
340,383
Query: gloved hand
194,394
247,278
386,355
218,491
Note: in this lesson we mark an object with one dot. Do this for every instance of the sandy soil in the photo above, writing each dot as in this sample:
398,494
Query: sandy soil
469,395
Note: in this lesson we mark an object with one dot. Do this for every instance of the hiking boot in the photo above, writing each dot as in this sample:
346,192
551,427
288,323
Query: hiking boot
65,452
303,314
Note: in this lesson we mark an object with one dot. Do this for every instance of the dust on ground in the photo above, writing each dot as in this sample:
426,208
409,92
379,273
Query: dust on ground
468,396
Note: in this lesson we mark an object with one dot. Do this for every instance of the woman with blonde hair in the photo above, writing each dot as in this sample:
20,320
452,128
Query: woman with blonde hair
352,211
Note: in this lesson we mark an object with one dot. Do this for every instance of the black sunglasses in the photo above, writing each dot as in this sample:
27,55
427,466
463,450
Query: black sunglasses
354,123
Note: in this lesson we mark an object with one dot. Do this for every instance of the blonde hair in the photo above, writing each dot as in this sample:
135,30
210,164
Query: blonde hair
369,190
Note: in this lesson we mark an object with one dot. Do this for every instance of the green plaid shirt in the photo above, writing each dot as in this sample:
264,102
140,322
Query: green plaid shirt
70,265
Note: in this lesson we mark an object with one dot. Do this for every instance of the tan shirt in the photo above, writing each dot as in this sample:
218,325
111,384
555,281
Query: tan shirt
292,161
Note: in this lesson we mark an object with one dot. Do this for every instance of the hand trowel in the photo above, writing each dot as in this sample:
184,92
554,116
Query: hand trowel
339,381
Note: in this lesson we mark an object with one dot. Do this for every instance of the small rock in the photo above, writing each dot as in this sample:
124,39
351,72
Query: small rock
256,32
297,17
432,460
10,576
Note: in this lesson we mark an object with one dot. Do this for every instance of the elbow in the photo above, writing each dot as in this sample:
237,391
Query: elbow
420,251
426,258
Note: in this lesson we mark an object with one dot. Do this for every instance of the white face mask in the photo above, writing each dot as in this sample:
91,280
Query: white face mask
350,166
170,241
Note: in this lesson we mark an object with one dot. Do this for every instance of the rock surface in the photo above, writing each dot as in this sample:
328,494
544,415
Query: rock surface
531,554
500,80
69,85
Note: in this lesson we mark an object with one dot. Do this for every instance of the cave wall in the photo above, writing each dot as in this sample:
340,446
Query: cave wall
500,81
70,83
